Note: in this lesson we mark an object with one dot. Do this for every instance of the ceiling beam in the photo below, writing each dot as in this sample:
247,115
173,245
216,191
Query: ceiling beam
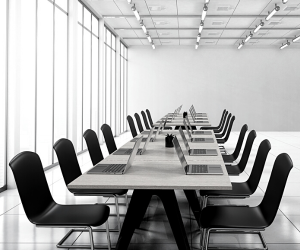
208,38
207,28
199,16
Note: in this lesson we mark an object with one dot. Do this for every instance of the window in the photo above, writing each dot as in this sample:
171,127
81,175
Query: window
123,87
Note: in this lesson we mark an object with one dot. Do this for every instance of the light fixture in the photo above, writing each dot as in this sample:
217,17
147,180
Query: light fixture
284,1
205,8
143,26
259,26
272,13
201,26
296,39
153,46
135,12
149,37
129,1
241,45
206,1
248,37
285,45
198,37
197,45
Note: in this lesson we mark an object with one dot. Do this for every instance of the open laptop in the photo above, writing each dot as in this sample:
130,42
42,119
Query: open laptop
198,114
195,169
204,140
195,119
195,132
196,152
102,168
160,127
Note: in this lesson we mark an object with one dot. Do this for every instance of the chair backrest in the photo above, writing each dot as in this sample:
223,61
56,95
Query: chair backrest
149,117
139,123
229,129
225,127
271,201
131,126
67,160
239,143
109,138
31,183
93,146
259,164
247,150
222,117
220,128
145,120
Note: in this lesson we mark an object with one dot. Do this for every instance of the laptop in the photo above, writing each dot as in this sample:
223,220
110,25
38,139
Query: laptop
195,169
204,140
196,152
195,119
158,130
101,168
198,114
196,132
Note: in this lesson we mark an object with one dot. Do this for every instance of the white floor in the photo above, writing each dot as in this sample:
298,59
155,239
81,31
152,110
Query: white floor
16,232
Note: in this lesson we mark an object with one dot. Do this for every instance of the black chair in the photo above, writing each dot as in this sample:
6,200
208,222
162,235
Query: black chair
139,123
253,220
227,133
243,189
93,146
145,120
230,158
43,211
132,126
240,167
70,169
221,133
222,121
109,138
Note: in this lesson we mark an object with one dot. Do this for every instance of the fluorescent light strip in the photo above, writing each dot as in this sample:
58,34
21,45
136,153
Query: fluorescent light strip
284,1
259,26
241,45
143,26
204,12
197,45
206,1
248,37
272,13
149,38
135,12
198,37
201,26
285,45
129,1
296,39
153,46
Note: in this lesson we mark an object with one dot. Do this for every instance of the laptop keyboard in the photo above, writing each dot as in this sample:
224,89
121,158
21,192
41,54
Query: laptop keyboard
135,139
198,139
199,151
128,151
199,169
114,168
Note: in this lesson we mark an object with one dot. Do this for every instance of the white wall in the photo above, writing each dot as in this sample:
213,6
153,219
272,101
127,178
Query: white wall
259,86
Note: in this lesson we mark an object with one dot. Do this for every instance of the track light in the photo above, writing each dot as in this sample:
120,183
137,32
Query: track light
206,1
205,8
135,12
259,26
143,26
198,37
201,26
153,46
296,39
149,37
248,37
129,1
197,45
285,45
284,1
272,13
241,45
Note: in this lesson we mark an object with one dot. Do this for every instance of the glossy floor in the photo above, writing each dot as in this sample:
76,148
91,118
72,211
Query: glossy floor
16,232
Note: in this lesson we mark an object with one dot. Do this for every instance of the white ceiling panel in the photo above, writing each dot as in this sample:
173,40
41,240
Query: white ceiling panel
208,42
165,22
134,23
117,22
190,7
188,42
127,33
251,7
216,22
105,7
222,7
211,33
189,22
131,42
226,42
166,7
188,33
240,22
264,42
169,42
273,33
232,33
167,33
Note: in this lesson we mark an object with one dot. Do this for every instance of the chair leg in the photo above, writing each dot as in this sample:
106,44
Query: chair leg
203,238
108,236
118,213
91,237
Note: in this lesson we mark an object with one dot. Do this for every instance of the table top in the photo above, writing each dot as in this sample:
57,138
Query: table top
178,121
159,168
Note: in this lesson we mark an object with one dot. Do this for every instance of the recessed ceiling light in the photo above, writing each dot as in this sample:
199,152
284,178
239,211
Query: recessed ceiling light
164,33
223,8
262,33
213,33
156,8
165,42
274,22
160,22
290,8
217,23
210,42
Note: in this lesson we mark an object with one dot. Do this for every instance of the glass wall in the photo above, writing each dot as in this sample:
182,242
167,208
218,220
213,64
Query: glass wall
123,87
3,49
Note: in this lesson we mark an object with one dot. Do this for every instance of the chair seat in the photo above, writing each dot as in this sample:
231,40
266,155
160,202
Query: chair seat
238,189
218,136
233,169
228,158
232,217
221,141
73,215
99,192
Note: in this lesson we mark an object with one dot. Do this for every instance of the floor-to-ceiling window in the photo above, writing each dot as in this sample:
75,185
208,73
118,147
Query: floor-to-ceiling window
3,49
110,79
123,87
87,74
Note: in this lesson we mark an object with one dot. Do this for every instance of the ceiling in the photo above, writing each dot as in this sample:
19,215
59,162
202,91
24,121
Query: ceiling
176,22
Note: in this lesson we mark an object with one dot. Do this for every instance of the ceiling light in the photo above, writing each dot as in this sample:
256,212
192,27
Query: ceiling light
135,12
143,26
206,1
296,39
285,45
284,1
129,1
248,37
201,26
149,38
153,46
198,37
241,45
272,13
197,45
205,8
259,26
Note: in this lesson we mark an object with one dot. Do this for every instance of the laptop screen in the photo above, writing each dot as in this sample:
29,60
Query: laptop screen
133,153
187,129
184,138
179,152
189,124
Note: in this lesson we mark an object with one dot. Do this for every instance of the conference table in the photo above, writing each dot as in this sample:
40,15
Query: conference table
158,171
